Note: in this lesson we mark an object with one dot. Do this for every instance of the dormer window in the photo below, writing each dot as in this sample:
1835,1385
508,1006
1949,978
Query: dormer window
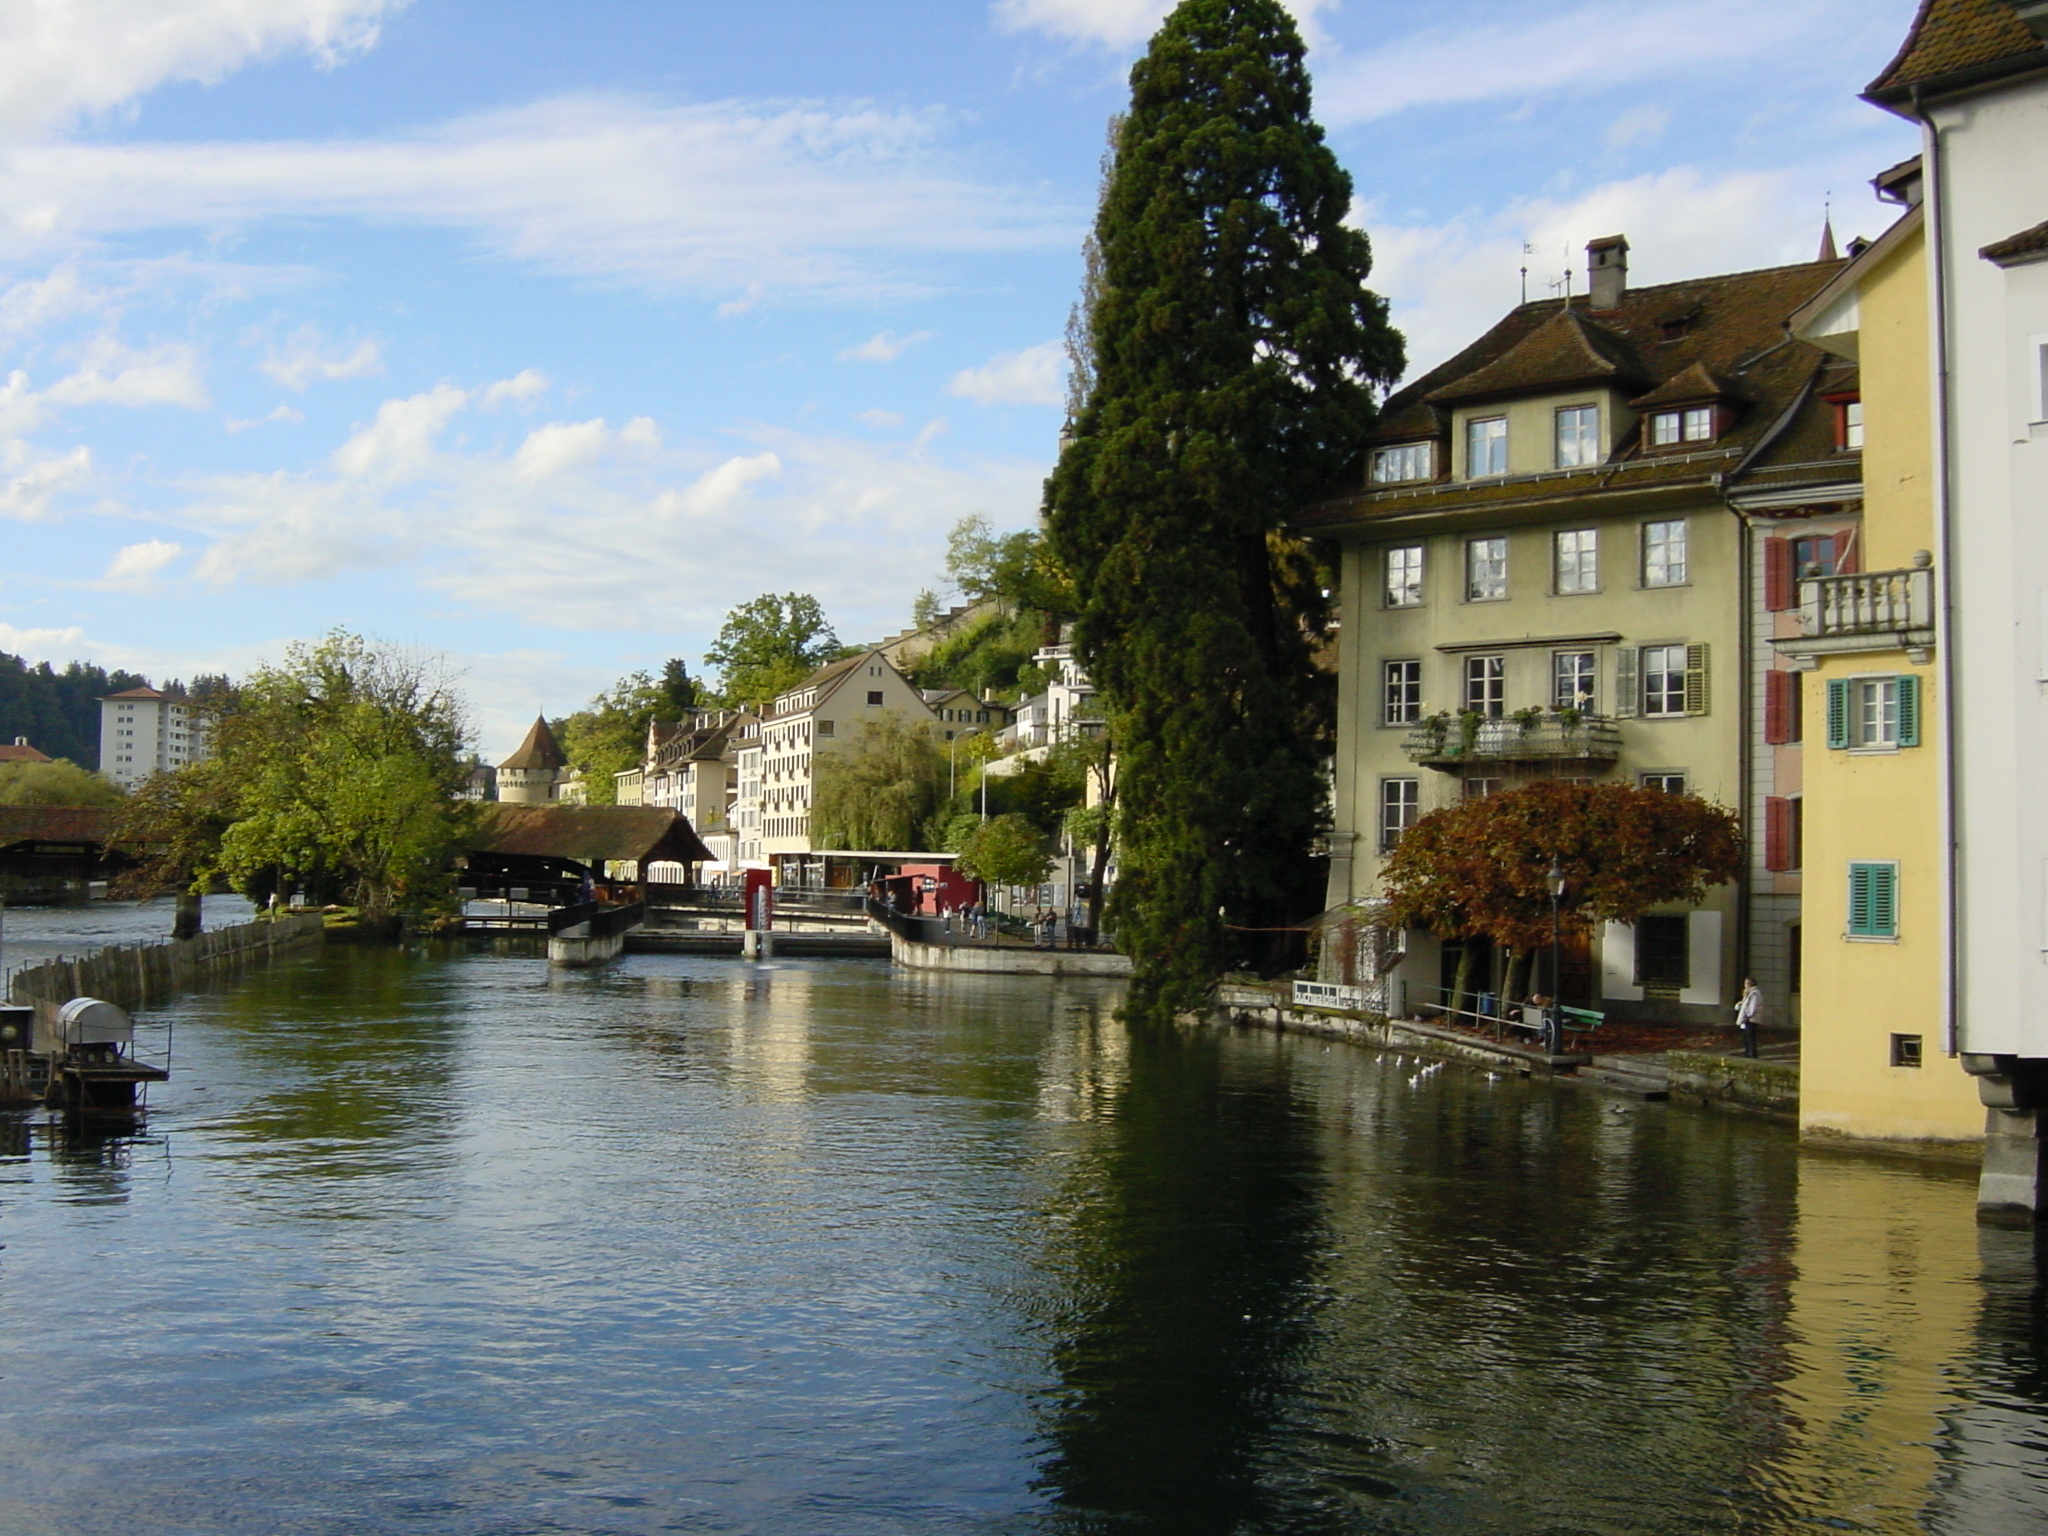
1486,447
1694,424
1578,436
1849,424
1405,461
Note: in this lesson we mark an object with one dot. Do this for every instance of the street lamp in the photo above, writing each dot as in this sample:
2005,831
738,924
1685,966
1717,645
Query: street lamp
1556,959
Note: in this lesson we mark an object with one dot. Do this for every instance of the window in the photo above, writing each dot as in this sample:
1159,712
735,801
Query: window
1694,424
1906,1050
1848,424
1571,674
1486,447
1578,436
1813,556
1486,683
1670,783
1783,716
1486,570
1664,554
1400,804
1663,963
1403,693
1873,901
1479,789
1663,680
826,727
1873,714
1404,576
1578,560
874,697
1408,461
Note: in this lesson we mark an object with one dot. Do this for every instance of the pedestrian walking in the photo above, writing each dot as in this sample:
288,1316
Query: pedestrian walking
1747,1012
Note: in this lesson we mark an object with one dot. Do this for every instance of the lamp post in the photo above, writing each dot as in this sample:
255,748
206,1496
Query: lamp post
1556,959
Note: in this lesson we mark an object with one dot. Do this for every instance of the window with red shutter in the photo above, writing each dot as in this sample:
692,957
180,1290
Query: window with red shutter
1781,591
1778,707
1777,833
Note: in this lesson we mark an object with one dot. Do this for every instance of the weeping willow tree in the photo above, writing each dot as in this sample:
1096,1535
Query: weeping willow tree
1235,356
880,790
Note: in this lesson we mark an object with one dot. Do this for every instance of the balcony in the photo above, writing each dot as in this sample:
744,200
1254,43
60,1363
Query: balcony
1869,611
1547,738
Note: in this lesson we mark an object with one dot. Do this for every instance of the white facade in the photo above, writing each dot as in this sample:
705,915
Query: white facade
1988,154
143,732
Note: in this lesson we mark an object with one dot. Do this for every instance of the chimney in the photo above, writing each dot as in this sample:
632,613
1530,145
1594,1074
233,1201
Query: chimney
1607,271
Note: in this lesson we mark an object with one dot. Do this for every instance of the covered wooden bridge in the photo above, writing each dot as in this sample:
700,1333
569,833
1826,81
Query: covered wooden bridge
560,854
52,852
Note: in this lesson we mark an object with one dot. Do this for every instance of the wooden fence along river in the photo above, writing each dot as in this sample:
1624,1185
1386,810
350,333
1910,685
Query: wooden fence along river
129,974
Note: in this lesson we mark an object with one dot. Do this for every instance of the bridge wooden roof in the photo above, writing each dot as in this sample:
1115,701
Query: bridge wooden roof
21,824
589,834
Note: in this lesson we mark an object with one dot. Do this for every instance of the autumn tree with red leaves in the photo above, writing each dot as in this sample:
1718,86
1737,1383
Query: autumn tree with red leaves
1481,868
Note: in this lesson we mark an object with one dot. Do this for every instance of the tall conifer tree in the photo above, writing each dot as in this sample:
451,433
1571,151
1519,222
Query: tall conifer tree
1236,355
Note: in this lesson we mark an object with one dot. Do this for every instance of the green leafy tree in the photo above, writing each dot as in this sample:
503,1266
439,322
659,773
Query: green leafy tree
342,767
54,783
1236,354
1481,868
881,789
769,645
1003,850
609,734
679,691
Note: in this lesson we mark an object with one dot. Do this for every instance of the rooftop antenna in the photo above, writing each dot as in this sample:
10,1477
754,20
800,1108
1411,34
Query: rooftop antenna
1528,250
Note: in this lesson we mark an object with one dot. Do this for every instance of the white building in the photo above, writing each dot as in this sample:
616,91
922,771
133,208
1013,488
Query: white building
143,732
1974,75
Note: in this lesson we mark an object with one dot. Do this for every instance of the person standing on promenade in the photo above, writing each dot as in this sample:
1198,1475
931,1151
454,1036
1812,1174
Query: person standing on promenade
1746,1013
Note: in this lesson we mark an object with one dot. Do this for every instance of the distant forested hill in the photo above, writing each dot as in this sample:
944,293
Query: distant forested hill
59,712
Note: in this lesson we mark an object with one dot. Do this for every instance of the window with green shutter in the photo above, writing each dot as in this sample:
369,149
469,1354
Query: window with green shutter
1909,710
1873,901
1838,712
1874,714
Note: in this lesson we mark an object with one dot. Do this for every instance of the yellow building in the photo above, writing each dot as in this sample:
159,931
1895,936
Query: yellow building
1877,1058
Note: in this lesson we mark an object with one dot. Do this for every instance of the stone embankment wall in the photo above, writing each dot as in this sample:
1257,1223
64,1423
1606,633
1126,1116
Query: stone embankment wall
132,973
1004,959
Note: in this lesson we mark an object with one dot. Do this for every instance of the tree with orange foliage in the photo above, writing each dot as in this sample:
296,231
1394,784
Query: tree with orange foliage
1481,868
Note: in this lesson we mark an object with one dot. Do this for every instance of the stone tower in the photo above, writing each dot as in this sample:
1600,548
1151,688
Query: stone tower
531,775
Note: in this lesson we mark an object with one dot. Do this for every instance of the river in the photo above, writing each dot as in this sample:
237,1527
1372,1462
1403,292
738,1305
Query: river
442,1242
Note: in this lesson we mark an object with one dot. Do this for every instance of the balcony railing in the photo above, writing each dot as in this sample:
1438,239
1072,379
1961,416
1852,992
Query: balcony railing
1545,739
1867,603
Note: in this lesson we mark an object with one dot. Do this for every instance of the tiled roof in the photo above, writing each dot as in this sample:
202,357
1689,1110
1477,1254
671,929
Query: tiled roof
138,693
1949,36
587,834
21,752
55,824
1565,349
1715,337
1699,382
2024,246
539,750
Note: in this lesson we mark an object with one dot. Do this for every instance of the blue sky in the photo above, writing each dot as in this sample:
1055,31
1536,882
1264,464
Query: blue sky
542,335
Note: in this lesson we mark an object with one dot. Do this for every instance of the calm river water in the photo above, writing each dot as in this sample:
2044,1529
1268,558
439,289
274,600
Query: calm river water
444,1243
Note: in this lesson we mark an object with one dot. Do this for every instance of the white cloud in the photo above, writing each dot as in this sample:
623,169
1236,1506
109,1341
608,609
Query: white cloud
581,526
1030,377
880,420
1594,47
884,347
58,60
283,413
113,374
1449,282
35,302
1638,124
1113,23
399,443
727,198
136,566
305,360
42,644
526,384
28,483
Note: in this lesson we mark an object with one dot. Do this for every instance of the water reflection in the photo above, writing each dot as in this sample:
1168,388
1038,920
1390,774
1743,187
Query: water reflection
444,1241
